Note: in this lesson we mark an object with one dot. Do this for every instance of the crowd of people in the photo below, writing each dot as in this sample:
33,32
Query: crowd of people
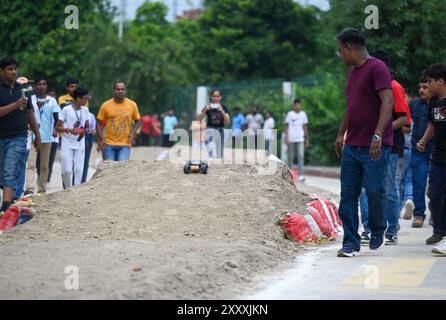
33,128
248,125
391,147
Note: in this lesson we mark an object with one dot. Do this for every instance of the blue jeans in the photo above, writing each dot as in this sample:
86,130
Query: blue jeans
22,175
364,206
437,197
12,155
391,200
419,164
116,153
358,169
406,187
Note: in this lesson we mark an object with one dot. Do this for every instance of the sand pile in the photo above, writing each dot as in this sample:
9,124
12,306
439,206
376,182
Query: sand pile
146,230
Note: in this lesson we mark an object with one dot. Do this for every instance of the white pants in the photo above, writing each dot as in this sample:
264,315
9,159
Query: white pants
72,161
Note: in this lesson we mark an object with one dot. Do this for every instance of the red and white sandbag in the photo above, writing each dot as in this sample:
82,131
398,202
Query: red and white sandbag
296,227
327,207
323,223
9,219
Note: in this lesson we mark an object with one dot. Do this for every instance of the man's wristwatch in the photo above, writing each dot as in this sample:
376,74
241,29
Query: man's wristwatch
376,138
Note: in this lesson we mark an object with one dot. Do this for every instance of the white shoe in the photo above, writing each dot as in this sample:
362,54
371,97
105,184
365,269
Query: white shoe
408,209
403,212
301,178
440,248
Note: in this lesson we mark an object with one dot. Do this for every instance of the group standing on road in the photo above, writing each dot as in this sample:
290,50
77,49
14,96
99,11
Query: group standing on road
372,147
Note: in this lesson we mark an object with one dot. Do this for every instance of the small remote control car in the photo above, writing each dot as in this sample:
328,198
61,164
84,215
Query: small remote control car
195,166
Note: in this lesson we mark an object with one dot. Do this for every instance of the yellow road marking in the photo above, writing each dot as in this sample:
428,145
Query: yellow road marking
397,272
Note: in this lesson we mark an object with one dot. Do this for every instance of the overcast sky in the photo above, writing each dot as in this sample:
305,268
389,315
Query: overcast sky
132,5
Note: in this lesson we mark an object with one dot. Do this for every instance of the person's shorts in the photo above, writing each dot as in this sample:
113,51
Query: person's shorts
12,157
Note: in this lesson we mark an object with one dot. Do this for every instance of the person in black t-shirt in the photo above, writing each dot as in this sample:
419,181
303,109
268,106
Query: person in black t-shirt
217,117
436,79
16,112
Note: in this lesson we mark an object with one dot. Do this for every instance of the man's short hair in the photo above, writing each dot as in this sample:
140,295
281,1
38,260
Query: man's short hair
8,61
116,82
382,55
79,93
436,71
296,101
39,78
72,80
351,36
422,78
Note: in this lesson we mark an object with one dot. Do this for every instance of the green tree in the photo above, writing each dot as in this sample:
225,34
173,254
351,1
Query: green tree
410,30
24,23
253,39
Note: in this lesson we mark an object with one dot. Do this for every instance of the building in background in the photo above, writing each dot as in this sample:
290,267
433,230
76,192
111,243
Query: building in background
190,14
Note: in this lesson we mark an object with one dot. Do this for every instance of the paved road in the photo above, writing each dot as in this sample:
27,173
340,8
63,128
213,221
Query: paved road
405,271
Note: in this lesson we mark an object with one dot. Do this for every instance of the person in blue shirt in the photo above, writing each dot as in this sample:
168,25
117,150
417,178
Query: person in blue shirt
419,109
238,123
49,113
170,121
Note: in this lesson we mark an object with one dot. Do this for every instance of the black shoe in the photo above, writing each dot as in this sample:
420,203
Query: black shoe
5,206
433,239
391,240
365,238
28,192
376,241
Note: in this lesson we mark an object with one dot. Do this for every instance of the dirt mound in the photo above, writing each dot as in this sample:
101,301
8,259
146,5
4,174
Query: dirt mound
187,236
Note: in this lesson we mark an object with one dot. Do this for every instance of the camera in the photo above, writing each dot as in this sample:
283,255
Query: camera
80,130
41,102
215,105
26,93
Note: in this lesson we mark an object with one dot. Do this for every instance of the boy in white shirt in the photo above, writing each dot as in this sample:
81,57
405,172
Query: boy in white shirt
267,127
73,123
296,136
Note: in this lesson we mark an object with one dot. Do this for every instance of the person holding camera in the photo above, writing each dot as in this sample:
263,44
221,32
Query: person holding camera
73,124
217,117
16,113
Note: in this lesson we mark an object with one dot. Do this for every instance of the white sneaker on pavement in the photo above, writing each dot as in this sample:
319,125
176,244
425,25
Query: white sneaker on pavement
301,178
440,248
408,208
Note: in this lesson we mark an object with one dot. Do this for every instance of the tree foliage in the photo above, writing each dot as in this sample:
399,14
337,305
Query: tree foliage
234,40
250,39
412,31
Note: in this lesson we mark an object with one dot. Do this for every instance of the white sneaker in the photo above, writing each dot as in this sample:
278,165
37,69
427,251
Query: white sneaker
440,248
408,208
301,178
403,212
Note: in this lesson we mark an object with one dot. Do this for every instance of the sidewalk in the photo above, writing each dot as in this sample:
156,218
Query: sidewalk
405,271
326,172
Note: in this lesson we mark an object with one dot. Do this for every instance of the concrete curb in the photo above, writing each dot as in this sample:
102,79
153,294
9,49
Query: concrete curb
326,172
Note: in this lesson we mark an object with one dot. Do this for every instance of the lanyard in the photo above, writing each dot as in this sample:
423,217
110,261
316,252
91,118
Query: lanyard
79,118
43,106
